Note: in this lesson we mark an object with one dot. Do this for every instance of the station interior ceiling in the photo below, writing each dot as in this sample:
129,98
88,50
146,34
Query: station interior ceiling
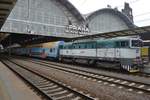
5,8
27,39
7,39
143,32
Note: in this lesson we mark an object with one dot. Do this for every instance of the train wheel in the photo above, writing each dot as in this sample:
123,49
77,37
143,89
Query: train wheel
91,62
60,59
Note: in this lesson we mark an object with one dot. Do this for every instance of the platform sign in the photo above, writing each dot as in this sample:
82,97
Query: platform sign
78,30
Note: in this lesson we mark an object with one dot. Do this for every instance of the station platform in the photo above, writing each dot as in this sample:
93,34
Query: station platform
13,88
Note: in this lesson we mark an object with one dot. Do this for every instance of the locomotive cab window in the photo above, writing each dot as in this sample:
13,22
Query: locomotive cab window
136,43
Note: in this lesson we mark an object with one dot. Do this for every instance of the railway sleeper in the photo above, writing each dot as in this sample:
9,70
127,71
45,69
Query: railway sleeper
48,86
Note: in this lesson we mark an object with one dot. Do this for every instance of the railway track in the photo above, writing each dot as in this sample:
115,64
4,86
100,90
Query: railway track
140,74
50,89
130,85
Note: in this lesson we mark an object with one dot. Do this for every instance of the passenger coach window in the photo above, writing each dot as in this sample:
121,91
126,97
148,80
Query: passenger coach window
43,51
50,50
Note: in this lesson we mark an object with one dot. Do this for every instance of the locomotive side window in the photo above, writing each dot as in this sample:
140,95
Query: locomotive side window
100,45
109,44
82,45
124,44
117,44
106,44
91,45
85,46
79,46
74,46
67,47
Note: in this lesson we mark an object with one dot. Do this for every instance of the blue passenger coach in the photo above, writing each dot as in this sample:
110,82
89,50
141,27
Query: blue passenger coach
45,50
42,50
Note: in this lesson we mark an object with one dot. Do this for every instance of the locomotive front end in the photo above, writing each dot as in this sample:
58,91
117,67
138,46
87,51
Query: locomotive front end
137,62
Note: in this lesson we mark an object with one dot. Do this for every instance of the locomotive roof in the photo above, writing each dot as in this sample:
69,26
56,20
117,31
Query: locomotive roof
99,40
120,38
46,44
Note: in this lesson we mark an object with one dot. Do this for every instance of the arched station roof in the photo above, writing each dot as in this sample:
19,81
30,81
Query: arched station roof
75,16
72,10
112,11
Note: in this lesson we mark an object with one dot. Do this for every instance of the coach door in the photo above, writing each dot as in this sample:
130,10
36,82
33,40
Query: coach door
43,53
117,50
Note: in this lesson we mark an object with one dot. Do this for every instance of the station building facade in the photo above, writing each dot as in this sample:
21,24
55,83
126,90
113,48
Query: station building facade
51,17
107,20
